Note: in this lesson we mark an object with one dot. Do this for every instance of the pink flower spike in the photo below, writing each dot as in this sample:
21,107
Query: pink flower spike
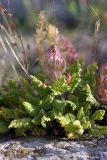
105,82
71,57
70,53
65,43
103,71
102,92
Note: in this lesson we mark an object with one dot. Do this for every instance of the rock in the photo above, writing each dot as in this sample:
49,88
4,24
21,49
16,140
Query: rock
50,148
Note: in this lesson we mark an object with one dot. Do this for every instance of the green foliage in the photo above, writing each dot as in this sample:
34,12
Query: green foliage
21,123
3,127
98,115
90,98
74,127
34,106
44,119
58,88
29,108
76,76
98,131
66,119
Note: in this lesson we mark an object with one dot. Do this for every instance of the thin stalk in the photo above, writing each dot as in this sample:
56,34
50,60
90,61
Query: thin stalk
25,58
5,49
14,54
6,32
7,16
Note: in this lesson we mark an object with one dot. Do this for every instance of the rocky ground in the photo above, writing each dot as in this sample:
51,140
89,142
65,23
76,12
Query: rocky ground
50,148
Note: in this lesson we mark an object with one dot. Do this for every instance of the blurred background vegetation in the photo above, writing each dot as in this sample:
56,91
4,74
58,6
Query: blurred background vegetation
75,19
67,14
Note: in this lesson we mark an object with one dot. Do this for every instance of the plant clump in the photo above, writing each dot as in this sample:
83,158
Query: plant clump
60,101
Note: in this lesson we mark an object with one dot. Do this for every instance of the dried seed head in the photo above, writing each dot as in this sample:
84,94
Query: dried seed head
52,32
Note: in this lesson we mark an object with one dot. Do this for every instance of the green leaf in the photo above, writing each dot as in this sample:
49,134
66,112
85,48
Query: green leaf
80,113
21,123
98,131
54,114
89,97
66,119
89,74
74,99
58,108
40,87
36,81
86,123
36,120
98,115
59,105
60,86
29,108
76,76
9,113
74,127
87,108
70,104
44,120
47,102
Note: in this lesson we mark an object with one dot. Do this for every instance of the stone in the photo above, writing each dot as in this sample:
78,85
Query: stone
51,148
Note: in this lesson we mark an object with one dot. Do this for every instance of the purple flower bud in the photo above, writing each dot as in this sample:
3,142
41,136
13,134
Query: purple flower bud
51,73
55,65
54,59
